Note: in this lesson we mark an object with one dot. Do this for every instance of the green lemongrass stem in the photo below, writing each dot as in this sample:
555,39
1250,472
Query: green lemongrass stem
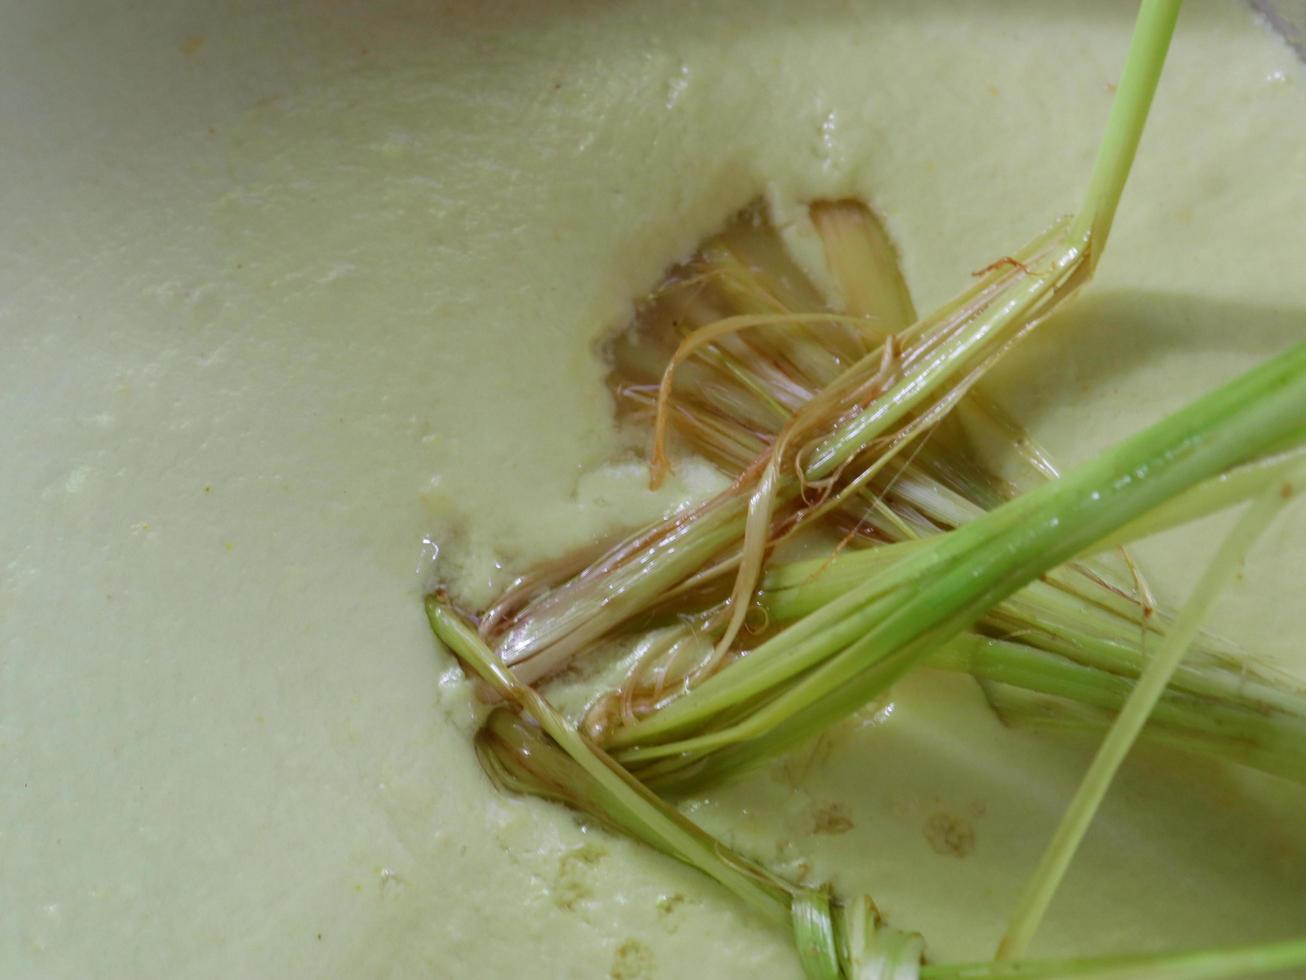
933,594
1220,963
540,579
814,938
634,804
941,507
917,341
892,407
618,586
1087,235
659,464
1210,497
520,758
621,800
1241,729
1129,110
979,406
1034,617
553,629
1124,731
1025,297
734,448
1055,615
761,507
977,324
1029,298
872,951
794,591
833,942
1272,743
1216,708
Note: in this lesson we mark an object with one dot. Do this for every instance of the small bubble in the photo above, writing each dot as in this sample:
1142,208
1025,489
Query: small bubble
829,128
828,145
677,85
428,557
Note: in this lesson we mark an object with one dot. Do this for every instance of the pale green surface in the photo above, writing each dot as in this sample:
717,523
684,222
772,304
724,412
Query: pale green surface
342,249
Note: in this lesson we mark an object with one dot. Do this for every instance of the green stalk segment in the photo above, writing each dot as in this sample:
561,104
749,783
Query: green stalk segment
1019,680
898,617
1148,691
629,804
1228,963
557,762
1124,128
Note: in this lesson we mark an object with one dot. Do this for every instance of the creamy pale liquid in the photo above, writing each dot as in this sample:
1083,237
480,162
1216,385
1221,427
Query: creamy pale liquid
282,293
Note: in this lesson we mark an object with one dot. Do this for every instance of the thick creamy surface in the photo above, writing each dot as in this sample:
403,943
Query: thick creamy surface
286,287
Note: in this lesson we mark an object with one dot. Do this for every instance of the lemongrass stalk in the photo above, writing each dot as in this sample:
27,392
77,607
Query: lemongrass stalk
571,769
632,806
933,594
1272,743
864,262
925,390
1212,496
1087,234
1124,128
871,950
1028,299
714,333
1221,963
1062,620
814,938
618,586
792,590
575,614
1120,738
1235,727
976,326
1070,649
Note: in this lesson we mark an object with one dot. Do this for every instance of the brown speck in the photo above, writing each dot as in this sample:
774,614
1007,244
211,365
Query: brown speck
572,884
993,90
1285,491
208,488
667,904
949,835
633,961
831,819
1111,87
319,937
191,45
